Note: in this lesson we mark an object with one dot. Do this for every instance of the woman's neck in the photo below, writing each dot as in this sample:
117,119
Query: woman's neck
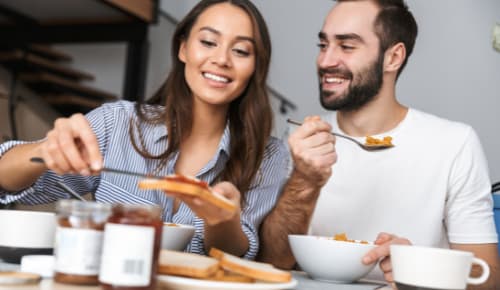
208,122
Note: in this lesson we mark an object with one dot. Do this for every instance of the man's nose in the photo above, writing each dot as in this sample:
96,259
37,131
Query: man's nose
328,58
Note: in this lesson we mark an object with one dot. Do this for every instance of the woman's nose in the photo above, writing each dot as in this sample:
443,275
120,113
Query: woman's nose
221,57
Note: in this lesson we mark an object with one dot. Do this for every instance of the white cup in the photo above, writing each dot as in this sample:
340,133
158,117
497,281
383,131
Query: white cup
415,267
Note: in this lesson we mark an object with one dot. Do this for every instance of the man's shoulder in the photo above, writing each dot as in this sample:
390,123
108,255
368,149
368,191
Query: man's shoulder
436,124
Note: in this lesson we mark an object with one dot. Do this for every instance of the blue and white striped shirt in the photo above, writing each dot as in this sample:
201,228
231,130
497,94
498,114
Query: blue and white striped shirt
110,123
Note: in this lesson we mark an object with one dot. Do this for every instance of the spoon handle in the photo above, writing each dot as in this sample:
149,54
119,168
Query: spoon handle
70,191
333,133
112,170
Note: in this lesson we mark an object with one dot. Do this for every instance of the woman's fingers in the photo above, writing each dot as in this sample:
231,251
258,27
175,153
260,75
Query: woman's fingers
72,147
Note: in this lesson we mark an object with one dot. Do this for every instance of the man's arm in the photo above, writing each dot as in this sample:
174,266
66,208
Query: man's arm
291,215
489,253
313,151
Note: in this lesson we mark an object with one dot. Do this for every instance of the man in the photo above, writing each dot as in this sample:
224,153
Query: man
432,188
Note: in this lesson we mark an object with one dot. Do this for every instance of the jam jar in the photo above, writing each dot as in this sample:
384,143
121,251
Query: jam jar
78,241
131,246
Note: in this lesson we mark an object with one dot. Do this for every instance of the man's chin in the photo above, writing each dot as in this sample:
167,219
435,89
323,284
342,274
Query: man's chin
331,101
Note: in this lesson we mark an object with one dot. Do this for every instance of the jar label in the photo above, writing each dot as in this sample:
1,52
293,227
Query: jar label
127,255
78,251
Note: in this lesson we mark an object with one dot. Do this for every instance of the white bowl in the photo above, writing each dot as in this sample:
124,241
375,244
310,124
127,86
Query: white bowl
26,233
329,260
176,237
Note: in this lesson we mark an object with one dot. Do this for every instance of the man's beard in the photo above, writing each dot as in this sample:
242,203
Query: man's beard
362,89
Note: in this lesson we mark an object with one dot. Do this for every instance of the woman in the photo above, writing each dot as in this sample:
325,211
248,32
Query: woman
215,124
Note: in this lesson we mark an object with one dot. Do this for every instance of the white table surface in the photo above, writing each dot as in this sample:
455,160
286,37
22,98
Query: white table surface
304,283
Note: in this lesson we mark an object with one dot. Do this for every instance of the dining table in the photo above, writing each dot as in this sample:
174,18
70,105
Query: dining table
303,282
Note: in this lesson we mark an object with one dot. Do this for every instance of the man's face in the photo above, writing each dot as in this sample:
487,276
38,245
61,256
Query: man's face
350,66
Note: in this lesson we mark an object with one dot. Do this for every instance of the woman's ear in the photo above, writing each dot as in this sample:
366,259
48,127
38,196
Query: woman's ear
182,51
394,57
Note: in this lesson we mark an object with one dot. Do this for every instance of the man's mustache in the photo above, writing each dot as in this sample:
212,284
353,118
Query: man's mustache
339,72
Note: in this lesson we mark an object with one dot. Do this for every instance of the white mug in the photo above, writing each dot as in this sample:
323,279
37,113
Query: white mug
415,267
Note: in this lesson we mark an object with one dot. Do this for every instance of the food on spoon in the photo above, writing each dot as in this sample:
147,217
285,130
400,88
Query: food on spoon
372,141
181,184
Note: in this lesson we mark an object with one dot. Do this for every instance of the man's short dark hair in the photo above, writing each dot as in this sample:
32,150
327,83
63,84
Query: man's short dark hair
394,23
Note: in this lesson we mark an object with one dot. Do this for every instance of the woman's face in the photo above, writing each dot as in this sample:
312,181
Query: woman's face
219,54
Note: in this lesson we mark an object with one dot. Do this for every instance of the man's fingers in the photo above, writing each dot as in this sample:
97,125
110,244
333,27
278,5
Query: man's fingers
376,253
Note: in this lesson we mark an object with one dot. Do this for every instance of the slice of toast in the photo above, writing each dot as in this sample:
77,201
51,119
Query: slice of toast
256,270
187,264
190,186
225,276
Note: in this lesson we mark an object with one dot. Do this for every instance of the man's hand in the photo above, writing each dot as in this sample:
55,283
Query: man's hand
313,151
384,240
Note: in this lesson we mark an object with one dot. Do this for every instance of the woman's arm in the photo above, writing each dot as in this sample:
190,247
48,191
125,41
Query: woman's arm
227,235
16,170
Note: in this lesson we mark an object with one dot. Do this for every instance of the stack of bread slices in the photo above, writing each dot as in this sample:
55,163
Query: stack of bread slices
219,266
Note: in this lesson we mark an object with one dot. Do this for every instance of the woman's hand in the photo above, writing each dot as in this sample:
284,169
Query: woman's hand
212,214
71,147
384,240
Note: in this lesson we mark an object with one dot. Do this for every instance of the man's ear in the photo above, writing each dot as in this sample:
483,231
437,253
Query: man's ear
394,57
182,51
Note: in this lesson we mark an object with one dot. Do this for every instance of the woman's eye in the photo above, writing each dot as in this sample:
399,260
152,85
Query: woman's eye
241,52
208,43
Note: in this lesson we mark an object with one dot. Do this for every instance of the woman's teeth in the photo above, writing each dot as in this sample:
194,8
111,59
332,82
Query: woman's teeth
216,78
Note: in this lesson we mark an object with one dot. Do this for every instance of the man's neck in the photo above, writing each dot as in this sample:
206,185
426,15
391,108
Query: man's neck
382,114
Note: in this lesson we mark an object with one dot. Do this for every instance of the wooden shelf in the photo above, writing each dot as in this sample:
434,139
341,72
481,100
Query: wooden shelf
49,83
29,61
49,52
71,100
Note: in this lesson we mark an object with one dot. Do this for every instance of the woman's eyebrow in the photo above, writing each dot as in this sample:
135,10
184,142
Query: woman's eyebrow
215,31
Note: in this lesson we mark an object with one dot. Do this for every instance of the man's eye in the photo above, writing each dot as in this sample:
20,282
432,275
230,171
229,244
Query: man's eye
321,45
347,47
208,43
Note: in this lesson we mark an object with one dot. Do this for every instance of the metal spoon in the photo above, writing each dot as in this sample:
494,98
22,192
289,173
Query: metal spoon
367,147
70,191
111,170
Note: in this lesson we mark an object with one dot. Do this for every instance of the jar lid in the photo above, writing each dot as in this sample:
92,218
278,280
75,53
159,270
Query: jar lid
13,278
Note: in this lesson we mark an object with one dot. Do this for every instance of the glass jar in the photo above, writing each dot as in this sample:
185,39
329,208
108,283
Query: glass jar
131,246
78,241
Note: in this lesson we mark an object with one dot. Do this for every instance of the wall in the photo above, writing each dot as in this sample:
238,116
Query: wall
454,72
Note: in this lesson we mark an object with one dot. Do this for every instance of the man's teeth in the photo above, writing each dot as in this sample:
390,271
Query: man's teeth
216,78
334,80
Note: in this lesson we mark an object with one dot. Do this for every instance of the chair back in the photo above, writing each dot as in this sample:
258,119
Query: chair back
496,208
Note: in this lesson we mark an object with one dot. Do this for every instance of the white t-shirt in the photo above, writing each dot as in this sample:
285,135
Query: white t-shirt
432,187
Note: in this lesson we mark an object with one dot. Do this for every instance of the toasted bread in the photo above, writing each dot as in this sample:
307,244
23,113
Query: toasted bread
190,186
187,264
256,270
223,275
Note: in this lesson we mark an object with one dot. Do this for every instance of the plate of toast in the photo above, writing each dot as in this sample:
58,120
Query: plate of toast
219,270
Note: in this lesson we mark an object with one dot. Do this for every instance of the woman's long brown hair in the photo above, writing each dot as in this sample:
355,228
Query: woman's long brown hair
250,115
